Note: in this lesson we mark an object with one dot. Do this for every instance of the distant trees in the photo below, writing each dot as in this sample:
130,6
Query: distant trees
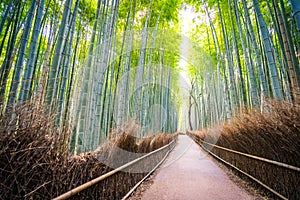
83,59
256,45
97,64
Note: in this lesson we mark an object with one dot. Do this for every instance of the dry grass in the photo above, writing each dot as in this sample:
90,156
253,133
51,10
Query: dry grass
28,151
144,145
126,142
34,161
273,134
160,140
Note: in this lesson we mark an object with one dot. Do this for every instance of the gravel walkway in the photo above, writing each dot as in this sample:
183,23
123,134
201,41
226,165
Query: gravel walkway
189,174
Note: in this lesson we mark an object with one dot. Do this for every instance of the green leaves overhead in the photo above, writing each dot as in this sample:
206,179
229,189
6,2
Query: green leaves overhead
72,55
87,8
166,10
93,62
254,45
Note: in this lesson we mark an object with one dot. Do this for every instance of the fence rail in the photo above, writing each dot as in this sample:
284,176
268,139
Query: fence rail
111,173
292,169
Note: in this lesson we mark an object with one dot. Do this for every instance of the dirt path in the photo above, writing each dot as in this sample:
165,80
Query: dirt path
189,174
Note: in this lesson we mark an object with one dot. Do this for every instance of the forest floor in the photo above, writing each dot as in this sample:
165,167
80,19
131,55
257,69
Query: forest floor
189,173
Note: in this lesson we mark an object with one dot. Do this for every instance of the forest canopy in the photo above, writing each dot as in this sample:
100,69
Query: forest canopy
97,64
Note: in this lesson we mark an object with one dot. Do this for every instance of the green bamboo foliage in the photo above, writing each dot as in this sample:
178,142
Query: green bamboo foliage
252,83
259,63
82,108
55,68
107,109
149,72
8,13
98,65
7,61
66,65
52,64
28,74
121,112
98,71
276,86
296,12
21,55
241,91
229,58
139,74
220,66
261,73
105,65
288,50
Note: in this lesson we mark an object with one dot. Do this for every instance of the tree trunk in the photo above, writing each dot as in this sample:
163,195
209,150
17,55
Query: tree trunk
252,85
27,78
276,86
56,62
21,55
296,12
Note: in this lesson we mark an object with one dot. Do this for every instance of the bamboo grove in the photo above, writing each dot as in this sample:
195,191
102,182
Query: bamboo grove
254,46
95,64
98,64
